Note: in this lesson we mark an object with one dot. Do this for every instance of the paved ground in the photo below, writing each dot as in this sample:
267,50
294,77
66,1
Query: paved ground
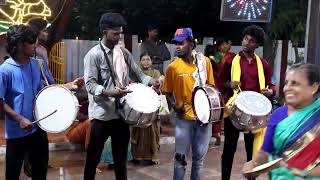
68,161
68,165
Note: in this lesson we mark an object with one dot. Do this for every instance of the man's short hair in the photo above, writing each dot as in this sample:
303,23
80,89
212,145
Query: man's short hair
111,20
152,27
221,40
256,32
19,34
38,24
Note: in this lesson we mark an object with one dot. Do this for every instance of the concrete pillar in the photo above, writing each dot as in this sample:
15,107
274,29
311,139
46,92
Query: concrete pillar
312,46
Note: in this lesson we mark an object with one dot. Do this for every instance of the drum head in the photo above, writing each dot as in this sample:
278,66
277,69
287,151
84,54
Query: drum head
201,105
54,98
253,103
142,98
264,167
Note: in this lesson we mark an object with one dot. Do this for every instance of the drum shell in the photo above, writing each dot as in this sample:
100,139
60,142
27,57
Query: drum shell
215,101
216,114
246,122
136,118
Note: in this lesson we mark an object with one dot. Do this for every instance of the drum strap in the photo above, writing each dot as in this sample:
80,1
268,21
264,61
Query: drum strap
113,76
200,61
42,72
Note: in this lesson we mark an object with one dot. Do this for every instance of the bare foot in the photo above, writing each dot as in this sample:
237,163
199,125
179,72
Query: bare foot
98,170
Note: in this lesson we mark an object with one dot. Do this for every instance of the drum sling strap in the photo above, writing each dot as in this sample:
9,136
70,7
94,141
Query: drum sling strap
113,75
42,72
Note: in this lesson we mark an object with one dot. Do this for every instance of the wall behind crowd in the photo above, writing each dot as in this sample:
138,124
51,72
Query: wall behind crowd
77,49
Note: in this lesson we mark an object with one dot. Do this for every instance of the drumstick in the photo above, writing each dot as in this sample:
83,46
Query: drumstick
239,88
44,117
218,108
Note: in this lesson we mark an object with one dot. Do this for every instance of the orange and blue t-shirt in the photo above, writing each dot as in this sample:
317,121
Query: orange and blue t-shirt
180,82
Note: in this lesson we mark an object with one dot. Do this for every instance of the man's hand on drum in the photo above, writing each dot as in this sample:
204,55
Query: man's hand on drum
267,92
234,84
155,83
248,167
75,84
78,83
25,124
179,109
117,92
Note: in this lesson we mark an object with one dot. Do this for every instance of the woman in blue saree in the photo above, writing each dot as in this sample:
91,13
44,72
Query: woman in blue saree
293,131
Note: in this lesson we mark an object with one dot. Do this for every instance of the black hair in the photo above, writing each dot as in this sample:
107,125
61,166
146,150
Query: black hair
38,24
256,32
111,20
192,40
151,27
19,34
209,50
311,71
144,54
221,40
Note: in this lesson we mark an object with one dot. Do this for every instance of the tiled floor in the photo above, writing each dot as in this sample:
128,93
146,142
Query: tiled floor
69,164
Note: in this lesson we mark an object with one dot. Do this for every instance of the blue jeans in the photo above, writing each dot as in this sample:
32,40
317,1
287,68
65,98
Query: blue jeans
190,134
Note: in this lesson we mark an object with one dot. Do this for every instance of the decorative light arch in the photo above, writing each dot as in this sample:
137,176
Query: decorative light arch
20,11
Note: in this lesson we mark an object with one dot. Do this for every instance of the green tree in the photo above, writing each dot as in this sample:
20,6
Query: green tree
289,23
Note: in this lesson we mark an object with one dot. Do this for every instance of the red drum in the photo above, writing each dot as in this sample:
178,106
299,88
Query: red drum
207,104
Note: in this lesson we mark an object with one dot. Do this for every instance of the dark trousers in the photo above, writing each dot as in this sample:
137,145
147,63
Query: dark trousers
36,145
100,131
230,146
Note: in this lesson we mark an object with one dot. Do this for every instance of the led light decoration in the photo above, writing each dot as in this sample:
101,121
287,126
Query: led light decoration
20,11
246,10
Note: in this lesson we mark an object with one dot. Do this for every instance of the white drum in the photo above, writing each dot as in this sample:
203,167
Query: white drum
141,106
55,108
207,104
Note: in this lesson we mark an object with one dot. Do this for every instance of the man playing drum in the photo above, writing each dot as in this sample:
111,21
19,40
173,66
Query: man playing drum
253,71
107,69
20,82
181,77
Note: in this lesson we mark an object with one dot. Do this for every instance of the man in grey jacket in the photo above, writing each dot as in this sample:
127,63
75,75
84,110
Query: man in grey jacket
105,86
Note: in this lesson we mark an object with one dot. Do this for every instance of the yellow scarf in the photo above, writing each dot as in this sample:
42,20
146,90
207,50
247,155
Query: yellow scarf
235,76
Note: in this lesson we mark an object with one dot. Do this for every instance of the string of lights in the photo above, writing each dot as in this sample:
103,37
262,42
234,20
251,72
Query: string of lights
20,11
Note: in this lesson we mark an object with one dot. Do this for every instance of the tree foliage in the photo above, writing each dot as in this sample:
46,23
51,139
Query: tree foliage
289,21
167,14
203,17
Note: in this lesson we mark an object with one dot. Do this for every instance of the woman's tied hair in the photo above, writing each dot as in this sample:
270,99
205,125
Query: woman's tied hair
19,34
311,71
256,32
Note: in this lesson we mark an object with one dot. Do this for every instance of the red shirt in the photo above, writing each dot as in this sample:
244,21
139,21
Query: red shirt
249,75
